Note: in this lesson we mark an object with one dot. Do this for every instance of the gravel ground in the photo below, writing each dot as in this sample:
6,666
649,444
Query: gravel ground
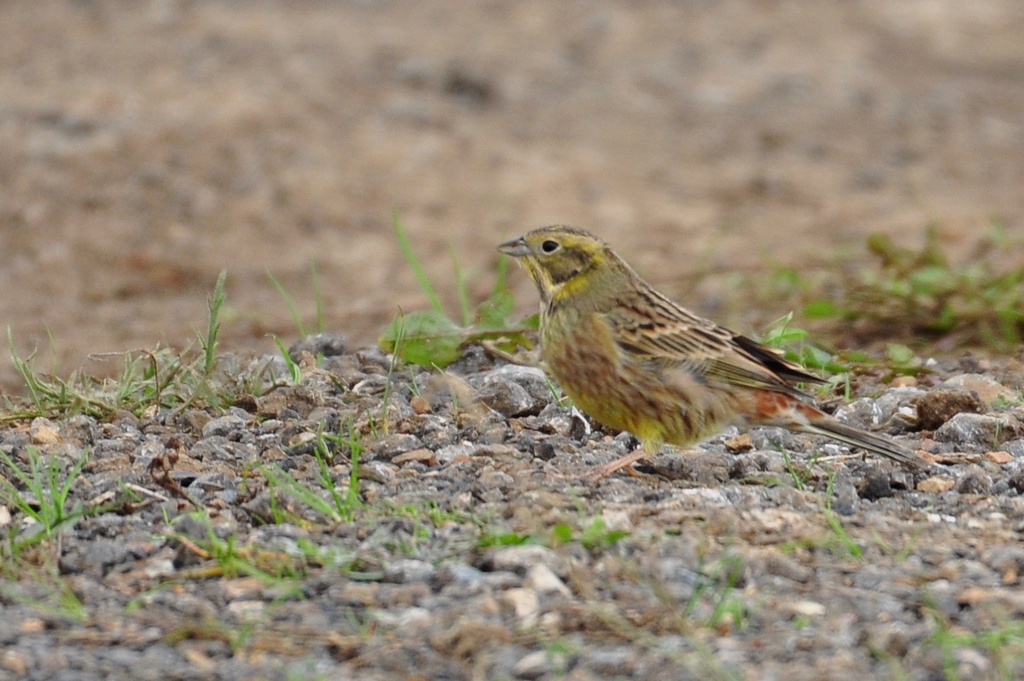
207,544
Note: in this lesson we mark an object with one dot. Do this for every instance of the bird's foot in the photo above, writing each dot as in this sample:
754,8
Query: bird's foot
626,462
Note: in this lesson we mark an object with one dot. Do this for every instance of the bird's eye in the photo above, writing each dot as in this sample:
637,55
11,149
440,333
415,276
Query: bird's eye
549,246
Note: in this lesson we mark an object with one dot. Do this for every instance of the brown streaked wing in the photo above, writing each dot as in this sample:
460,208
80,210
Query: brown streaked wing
652,328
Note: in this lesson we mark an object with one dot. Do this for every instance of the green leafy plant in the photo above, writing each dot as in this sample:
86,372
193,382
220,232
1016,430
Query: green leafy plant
433,338
798,346
925,292
41,492
595,535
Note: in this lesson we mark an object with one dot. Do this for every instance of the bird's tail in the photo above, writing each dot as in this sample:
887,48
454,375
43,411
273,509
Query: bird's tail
856,437
795,412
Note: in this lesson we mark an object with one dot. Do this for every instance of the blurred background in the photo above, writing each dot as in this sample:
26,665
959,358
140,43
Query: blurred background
145,146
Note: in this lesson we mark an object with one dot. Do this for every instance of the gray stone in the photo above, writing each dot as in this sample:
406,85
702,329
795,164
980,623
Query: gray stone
977,430
541,579
772,439
530,379
436,431
1014,447
390,446
678,577
520,559
844,496
508,399
446,455
891,411
409,570
533,665
862,413
610,661
322,344
223,426
1005,559
986,388
405,617
377,471
974,480
460,580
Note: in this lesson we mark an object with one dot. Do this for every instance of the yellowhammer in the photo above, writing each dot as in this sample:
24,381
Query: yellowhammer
634,360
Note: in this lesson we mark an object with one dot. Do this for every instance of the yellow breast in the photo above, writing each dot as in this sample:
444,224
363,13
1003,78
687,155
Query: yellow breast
656,404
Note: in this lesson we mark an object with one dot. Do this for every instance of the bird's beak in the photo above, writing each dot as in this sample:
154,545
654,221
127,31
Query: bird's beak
517,248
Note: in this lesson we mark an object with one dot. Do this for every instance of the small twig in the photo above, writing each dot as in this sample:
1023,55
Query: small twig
160,470
146,492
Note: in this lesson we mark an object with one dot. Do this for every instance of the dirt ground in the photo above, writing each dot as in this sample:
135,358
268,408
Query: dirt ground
145,146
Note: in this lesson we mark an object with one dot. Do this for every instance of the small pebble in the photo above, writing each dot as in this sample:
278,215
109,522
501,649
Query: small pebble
540,578
43,432
521,558
223,426
390,446
532,665
424,456
999,457
524,604
987,389
936,484
977,430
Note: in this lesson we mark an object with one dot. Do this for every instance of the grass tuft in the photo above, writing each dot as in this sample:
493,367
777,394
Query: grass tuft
924,292
149,379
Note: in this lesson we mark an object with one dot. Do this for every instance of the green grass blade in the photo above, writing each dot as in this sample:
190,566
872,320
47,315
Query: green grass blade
32,383
209,341
289,303
318,296
294,370
414,263
461,290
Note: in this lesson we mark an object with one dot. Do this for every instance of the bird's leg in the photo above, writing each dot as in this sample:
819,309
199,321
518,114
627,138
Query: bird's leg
620,463
526,358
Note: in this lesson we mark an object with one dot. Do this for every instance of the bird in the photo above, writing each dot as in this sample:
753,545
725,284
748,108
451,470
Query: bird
634,360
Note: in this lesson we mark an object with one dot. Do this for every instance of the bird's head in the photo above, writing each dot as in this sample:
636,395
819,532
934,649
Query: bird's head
559,258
